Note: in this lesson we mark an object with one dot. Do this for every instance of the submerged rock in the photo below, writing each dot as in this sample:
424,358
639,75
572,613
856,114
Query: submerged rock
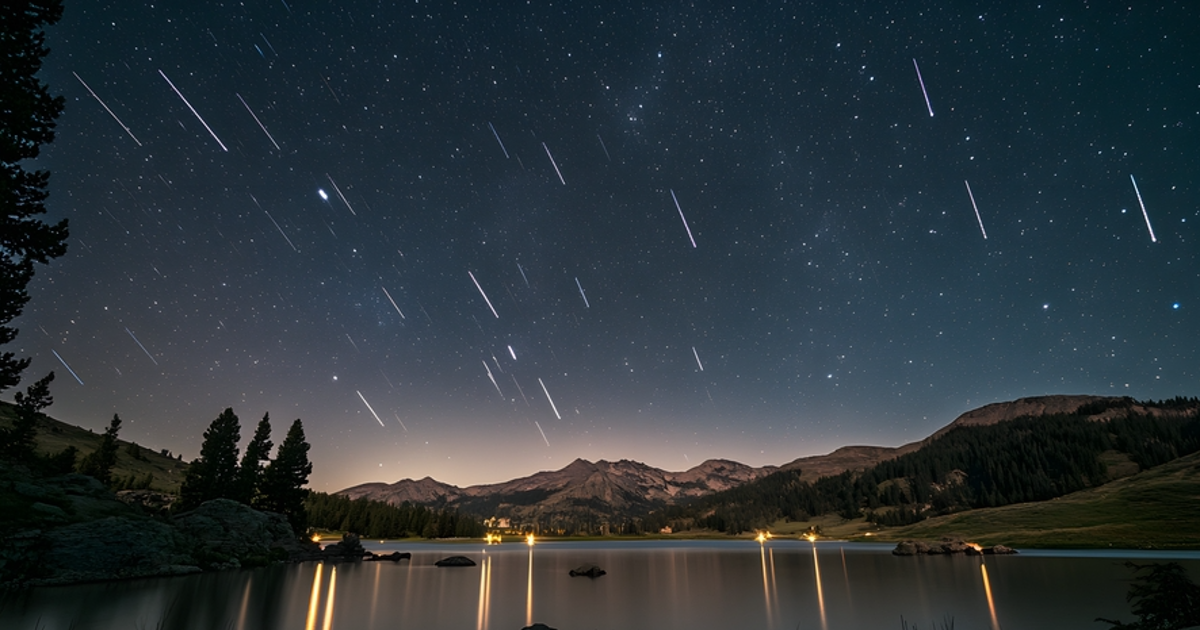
455,561
998,550
538,626
395,556
587,570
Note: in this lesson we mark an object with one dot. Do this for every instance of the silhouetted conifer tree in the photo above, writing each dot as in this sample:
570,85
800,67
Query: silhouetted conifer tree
27,113
214,475
251,471
99,463
282,489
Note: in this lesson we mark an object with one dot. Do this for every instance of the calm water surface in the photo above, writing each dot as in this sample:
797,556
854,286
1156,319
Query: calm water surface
653,584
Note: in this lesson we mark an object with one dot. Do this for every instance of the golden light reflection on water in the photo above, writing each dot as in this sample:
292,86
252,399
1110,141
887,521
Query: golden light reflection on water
485,592
820,591
762,551
314,600
245,605
987,589
329,599
529,592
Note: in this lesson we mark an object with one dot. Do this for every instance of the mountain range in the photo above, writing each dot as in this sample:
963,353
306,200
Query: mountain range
605,491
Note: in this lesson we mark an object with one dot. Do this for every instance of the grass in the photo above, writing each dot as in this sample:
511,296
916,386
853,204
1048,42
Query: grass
1155,509
54,436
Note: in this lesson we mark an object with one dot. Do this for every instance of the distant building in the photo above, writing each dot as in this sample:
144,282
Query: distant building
498,523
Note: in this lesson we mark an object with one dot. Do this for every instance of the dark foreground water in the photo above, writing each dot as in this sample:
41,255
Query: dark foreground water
690,585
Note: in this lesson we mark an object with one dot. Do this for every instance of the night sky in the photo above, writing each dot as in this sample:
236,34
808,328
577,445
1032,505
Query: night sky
668,232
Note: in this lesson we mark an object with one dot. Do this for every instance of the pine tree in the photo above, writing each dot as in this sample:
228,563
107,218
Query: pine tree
282,489
99,463
250,473
214,474
27,113
17,442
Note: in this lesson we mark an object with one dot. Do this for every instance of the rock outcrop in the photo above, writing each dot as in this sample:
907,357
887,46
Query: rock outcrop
587,570
948,546
455,561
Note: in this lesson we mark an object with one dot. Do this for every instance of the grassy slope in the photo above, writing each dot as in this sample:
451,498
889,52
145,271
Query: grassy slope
53,436
1155,509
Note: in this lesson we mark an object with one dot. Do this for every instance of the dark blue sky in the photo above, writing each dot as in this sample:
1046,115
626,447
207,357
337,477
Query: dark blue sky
840,290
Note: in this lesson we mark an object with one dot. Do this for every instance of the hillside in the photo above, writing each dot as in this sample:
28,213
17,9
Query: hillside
53,436
1155,509
985,459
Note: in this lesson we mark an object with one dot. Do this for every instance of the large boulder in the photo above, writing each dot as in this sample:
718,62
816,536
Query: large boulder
455,561
348,549
226,534
111,548
587,570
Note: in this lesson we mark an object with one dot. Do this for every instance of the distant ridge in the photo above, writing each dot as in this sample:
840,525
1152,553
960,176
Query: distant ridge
581,490
612,490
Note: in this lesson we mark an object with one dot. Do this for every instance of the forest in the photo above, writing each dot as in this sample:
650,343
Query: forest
1022,460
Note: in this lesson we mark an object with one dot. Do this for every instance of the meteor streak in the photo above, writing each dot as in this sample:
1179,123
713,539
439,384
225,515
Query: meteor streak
514,378
493,380
260,125
360,397
523,276
977,218
60,360
340,195
922,82
110,112
389,297
498,140
485,297
1144,215
554,164
281,233
604,147
539,426
401,422
185,102
552,405
513,353
683,218
135,340
582,294
697,355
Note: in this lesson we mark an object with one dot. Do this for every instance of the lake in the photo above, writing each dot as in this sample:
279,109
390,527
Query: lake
697,585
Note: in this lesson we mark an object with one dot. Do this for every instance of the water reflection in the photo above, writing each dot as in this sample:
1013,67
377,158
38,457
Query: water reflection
694,585
820,591
329,600
529,591
245,604
314,600
987,589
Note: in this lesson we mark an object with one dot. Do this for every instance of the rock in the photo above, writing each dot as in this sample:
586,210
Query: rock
151,502
349,549
111,548
955,545
999,550
538,626
905,548
395,556
587,570
455,561
227,534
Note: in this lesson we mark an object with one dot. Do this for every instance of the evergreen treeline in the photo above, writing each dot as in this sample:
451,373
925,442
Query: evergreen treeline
377,519
1022,460
276,487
